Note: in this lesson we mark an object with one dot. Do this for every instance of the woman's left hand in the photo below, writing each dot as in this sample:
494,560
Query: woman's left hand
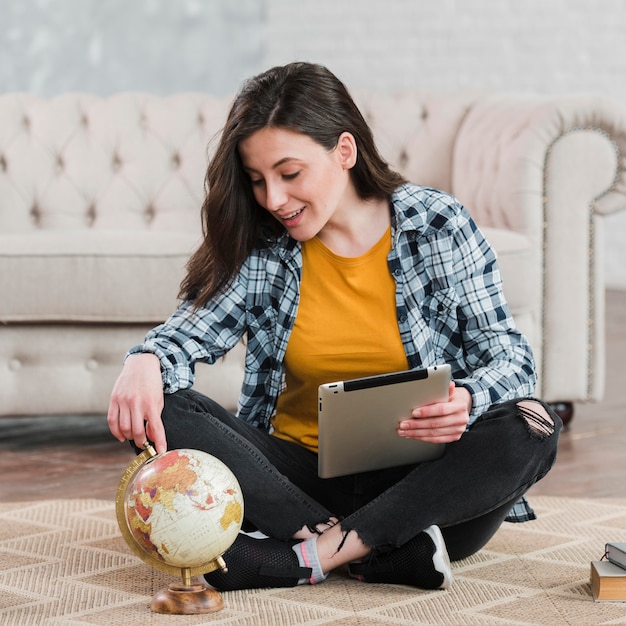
441,422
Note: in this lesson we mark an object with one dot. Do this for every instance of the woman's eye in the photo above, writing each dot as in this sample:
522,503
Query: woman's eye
291,176
255,182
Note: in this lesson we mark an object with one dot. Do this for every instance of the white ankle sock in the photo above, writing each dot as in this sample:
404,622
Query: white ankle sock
306,551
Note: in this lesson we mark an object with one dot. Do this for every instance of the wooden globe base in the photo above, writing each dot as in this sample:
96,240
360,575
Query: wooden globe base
186,600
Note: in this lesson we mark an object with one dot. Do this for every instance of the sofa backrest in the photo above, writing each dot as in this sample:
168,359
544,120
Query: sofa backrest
135,161
132,161
416,132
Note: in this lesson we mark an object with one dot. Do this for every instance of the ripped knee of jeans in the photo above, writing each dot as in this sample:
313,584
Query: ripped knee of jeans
539,422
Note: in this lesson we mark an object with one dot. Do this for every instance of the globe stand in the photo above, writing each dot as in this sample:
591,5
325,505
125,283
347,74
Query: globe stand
187,598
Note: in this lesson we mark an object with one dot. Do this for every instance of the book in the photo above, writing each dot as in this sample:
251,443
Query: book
616,553
608,581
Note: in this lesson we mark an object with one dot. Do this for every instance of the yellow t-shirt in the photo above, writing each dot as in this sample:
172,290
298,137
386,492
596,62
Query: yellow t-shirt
345,328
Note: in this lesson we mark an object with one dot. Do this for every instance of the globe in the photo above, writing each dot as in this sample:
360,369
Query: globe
181,509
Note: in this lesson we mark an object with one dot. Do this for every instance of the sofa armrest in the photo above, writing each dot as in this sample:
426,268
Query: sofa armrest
501,154
549,168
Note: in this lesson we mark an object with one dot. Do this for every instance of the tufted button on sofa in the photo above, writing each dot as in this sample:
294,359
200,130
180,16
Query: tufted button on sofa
99,211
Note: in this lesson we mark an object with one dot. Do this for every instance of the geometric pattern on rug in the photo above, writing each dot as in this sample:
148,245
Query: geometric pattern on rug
64,563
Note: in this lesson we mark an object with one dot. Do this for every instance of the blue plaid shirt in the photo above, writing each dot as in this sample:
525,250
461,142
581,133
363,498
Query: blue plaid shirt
449,301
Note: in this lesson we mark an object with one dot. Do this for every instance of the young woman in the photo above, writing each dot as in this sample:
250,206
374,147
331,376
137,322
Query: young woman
331,266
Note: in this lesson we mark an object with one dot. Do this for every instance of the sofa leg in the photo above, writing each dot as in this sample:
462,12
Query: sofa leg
565,410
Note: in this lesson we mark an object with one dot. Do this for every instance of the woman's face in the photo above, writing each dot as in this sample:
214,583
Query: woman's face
303,185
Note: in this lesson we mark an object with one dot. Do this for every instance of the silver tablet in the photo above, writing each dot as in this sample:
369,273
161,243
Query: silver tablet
358,420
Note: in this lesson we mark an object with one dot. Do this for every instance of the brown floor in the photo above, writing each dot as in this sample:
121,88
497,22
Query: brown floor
61,457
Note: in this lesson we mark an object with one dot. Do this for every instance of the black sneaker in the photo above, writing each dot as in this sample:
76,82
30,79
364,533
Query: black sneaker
256,563
422,562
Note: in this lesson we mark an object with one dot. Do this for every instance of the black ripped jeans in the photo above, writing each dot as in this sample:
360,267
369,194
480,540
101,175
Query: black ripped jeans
468,492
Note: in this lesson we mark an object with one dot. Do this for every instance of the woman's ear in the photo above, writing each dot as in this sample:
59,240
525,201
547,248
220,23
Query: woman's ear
347,150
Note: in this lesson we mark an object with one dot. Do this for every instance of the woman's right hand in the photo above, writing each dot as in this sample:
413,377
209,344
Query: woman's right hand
137,401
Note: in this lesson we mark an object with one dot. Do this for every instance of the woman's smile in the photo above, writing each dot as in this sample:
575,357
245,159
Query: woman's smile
290,219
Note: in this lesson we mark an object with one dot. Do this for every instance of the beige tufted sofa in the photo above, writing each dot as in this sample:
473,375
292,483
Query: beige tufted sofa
99,210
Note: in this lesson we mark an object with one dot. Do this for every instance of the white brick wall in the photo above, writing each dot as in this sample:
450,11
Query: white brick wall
539,45
543,46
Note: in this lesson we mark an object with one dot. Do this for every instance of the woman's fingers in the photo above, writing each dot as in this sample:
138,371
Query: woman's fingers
137,401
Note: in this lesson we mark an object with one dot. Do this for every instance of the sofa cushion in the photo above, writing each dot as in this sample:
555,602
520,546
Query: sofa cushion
92,276
74,366
133,276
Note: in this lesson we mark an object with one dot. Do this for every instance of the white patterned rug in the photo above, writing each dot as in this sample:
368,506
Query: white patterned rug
64,563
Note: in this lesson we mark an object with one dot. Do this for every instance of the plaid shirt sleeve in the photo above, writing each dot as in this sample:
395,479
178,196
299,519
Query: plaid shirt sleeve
260,304
192,335
451,304
498,357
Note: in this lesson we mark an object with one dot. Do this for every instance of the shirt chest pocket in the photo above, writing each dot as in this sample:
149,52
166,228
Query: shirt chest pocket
440,311
261,335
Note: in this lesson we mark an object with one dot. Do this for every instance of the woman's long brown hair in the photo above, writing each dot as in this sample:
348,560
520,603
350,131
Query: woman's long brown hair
301,97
